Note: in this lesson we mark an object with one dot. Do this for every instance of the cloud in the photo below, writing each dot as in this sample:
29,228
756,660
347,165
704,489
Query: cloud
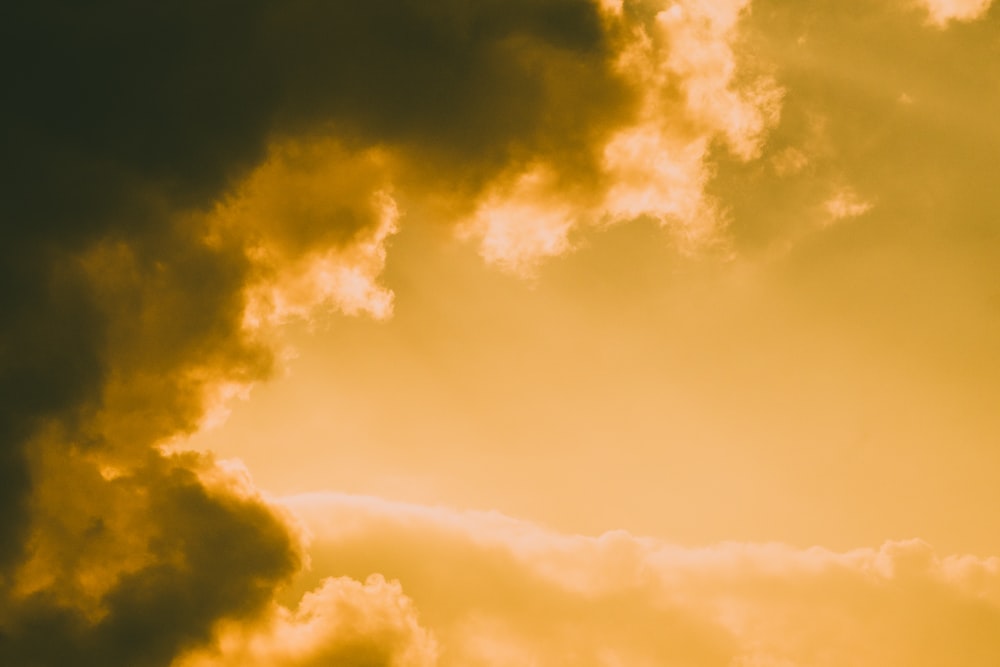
789,161
842,122
316,219
342,622
137,566
177,182
694,90
526,220
943,12
846,203
498,591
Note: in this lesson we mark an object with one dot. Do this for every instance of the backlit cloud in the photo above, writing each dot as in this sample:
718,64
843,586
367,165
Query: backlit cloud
693,91
343,621
942,12
495,591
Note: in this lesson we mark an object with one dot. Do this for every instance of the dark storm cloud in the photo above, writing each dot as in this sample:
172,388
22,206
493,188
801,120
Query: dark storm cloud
122,122
210,555
108,97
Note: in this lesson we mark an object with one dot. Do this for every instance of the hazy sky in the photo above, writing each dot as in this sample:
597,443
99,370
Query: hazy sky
500,333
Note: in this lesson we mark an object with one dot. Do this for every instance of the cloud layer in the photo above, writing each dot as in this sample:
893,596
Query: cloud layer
488,590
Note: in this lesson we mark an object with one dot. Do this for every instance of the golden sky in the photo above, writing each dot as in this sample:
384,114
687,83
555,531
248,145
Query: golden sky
488,333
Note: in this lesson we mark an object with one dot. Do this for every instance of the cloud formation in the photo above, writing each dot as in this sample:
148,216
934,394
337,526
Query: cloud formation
132,568
181,180
693,91
342,622
497,591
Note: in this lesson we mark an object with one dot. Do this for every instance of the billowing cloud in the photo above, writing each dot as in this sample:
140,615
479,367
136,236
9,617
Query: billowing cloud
316,219
133,567
342,622
694,92
497,591
178,181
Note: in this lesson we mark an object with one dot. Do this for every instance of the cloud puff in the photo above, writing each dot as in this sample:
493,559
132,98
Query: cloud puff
342,622
694,91
497,591
846,203
133,567
942,12
315,218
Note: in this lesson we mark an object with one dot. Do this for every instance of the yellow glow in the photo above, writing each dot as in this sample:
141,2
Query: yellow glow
940,12
583,333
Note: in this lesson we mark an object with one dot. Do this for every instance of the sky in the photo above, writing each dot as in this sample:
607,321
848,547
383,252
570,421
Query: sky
487,333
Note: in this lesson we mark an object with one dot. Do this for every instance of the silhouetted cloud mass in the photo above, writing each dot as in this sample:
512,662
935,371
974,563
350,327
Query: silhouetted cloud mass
131,136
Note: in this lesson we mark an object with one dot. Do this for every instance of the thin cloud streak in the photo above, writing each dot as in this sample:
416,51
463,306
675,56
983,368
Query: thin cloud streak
491,590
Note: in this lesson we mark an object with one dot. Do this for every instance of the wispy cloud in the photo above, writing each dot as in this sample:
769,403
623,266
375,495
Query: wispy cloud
492,590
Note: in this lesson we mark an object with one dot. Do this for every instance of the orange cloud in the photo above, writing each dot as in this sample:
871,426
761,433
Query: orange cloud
497,591
315,218
342,622
942,12
693,92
